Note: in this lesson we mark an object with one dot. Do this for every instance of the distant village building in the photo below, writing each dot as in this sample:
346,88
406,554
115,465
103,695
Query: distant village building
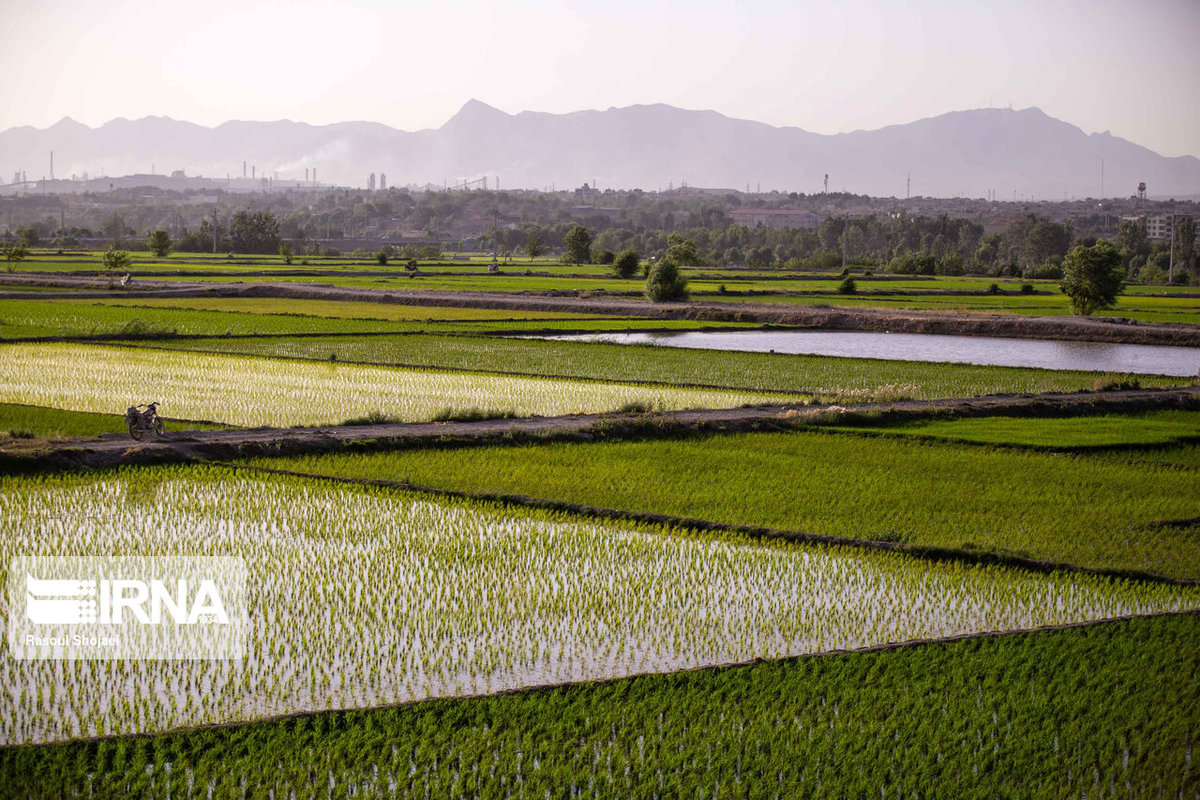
776,219
371,183
1159,227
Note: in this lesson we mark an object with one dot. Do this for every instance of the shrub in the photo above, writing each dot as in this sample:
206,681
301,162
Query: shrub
664,284
848,286
116,260
626,263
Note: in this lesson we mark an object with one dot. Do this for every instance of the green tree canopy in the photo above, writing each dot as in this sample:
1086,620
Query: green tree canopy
1185,242
117,260
664,284
160,243
626,263
1132,241
681,251
256,232
1093,277
534,245
579,245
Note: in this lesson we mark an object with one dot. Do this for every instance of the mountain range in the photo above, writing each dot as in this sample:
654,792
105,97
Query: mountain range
1011,153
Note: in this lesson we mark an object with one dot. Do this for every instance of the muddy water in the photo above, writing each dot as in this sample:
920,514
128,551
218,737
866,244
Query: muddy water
1092,356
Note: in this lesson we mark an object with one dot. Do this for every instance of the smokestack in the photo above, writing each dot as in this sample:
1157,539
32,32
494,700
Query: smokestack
306,174
243,169
253,173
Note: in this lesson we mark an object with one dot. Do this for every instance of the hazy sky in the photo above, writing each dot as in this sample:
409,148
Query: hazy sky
1129,66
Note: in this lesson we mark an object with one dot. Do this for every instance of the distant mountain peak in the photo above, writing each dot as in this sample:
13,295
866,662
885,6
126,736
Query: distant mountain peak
474,112
66,123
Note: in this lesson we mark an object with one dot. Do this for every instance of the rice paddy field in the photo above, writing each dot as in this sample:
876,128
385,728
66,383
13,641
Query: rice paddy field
253,392
940,605
1092,512
1031,715
363,597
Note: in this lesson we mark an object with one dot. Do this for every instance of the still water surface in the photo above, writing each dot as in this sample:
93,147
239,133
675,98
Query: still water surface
1140,358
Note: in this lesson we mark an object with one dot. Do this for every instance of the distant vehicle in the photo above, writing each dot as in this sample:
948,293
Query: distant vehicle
142,422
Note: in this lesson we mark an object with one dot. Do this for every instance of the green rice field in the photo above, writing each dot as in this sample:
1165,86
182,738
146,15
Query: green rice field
1089,512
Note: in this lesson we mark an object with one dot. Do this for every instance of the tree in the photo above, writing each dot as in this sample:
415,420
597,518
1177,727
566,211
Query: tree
602,255
681,251
626,264
381,258
848,286
256,232
160,243
1132,241
29,236
534,245
116,260
1093,277
285,251
579,245
664,283
1185,242
13,253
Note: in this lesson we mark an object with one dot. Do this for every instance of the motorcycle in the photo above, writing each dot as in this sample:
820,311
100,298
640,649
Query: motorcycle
142,422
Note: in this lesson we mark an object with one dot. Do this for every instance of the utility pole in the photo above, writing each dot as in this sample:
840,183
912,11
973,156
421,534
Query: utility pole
214,230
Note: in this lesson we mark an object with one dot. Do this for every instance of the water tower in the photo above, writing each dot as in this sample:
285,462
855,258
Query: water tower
1141,192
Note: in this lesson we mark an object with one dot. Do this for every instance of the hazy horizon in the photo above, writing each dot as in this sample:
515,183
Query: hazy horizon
823,67
411,129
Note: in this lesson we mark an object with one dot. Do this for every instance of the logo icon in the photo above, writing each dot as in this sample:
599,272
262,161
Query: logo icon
123,607
60,602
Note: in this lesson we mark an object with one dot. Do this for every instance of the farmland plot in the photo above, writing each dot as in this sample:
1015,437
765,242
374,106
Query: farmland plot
258,391
361,597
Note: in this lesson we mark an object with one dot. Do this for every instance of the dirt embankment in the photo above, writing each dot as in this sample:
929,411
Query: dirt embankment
1090,329
196,446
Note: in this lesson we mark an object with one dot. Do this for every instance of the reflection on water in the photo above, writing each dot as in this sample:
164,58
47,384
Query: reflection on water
1098,356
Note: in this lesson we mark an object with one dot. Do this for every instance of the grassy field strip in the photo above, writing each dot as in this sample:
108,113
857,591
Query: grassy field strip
1142,308
24,319
825,375
1151,429
1090,512
260,391
361,597
336,308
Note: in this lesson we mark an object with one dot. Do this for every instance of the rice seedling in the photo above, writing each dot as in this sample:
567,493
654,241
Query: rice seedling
253,391
1084,510
1102,431
361,597
1104,711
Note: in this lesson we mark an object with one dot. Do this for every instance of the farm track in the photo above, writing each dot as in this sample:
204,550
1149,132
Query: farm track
198,446
829,318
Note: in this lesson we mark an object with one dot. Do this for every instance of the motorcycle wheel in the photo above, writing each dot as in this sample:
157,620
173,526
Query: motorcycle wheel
159,428
135,431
